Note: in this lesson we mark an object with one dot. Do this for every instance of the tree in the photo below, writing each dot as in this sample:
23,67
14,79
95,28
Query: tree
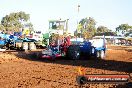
103,29
106,34
2,28
16,21
123,28
129,32
87,27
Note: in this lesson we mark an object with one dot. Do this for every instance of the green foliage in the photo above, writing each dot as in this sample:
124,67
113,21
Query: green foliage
124,29
129,32
2,28
103,29
87,27
106,34
16,21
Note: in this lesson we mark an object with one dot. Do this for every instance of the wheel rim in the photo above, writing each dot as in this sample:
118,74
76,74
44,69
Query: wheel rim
77,54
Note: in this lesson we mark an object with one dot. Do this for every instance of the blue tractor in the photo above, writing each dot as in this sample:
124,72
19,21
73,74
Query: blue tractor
76,49
10,42
87,48
2,43
73,50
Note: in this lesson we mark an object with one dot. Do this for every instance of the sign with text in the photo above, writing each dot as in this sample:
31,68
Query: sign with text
101,78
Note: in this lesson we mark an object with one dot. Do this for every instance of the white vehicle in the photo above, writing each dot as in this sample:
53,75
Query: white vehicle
99,47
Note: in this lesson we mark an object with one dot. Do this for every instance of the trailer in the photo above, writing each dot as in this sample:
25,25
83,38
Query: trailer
11,42
2,45
25,44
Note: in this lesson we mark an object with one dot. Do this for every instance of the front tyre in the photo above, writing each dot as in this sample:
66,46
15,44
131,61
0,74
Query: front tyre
73,52
102,54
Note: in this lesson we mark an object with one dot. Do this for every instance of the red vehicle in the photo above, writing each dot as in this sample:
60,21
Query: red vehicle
56,50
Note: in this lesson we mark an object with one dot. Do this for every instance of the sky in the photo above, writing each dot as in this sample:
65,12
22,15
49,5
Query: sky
109,13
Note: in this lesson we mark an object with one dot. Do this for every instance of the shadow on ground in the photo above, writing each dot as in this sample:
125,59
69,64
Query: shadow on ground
111,65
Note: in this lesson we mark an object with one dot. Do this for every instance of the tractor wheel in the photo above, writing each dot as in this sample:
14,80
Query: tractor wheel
38,56
81,80
35,56
102,54
93,51
97,54
73,52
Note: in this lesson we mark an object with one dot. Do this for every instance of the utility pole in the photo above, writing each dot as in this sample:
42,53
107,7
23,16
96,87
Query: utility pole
78,18
78,10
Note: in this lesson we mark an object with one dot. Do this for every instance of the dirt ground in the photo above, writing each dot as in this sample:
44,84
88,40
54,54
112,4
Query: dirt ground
18,70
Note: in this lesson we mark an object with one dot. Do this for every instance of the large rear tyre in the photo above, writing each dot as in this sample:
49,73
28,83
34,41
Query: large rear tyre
38,56
73,52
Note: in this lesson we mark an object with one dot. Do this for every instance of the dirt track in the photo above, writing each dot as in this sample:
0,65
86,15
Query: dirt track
25,72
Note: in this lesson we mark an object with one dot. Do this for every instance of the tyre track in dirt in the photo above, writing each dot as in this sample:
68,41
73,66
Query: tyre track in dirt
24,72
